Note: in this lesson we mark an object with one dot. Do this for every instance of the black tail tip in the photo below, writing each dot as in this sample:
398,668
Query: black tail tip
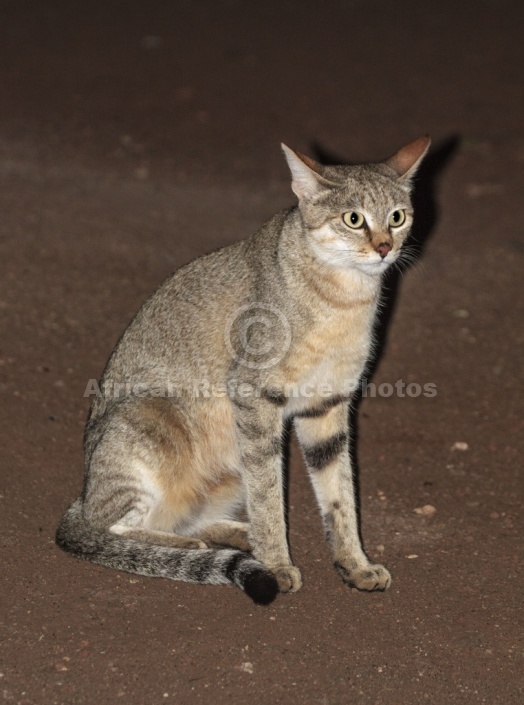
261,586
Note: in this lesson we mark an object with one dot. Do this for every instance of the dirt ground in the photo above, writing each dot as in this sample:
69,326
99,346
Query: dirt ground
135,136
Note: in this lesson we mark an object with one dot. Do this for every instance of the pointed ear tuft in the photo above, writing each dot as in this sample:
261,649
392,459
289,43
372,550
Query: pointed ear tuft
307,179
407,160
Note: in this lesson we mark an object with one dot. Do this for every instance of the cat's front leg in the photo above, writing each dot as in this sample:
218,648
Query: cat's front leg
259,431
325,445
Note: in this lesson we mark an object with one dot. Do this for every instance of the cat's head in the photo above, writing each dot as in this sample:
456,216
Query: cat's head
357,217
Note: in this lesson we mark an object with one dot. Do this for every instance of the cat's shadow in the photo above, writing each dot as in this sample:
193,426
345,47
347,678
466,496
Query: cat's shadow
427,212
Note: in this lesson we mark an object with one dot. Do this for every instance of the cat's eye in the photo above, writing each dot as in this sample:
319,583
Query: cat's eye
354,220
396,219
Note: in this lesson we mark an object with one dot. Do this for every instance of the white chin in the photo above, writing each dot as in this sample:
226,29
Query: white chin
374,267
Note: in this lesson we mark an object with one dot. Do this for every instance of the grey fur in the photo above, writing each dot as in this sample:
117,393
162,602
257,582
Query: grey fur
172,460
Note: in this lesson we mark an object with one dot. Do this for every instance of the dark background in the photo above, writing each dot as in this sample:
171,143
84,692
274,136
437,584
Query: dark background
135,136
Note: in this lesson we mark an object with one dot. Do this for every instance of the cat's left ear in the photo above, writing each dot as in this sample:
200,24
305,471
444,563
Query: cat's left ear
407,160
306,173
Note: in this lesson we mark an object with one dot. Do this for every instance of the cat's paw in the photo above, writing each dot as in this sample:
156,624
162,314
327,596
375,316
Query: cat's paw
369,577
239,539
194,543
288,577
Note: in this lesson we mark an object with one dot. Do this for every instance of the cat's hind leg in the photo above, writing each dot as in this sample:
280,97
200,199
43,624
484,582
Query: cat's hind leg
142,481
157,538
225,502
138,478
227,533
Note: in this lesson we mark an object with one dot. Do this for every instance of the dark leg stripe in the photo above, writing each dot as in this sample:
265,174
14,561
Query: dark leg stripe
320,455
321,410
274,397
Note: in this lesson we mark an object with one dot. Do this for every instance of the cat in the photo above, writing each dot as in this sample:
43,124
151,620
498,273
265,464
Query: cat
184,442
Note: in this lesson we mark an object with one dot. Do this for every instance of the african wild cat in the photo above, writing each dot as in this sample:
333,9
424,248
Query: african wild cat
185,439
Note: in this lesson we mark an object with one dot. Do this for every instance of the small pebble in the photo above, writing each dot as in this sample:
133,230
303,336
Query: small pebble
460,445
428,510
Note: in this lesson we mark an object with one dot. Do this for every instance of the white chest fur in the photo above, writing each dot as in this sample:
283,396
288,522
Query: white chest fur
330,361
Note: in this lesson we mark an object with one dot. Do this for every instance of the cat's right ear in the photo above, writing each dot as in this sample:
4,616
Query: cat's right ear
307,178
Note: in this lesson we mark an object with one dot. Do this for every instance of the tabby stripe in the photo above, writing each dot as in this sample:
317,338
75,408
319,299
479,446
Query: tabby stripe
113,506
274,397
240,404
233,565
323,409
250,430
321,454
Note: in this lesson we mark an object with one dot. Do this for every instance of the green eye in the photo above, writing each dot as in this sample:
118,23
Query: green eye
396,219
354,220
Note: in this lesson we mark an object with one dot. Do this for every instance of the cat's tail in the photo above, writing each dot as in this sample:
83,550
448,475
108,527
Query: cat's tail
77,536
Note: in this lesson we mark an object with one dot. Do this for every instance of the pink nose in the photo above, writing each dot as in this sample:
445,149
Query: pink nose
383,249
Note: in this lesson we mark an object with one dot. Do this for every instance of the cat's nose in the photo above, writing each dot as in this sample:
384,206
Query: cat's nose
383,249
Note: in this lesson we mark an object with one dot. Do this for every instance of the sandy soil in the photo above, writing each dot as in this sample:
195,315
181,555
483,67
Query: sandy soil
134,137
